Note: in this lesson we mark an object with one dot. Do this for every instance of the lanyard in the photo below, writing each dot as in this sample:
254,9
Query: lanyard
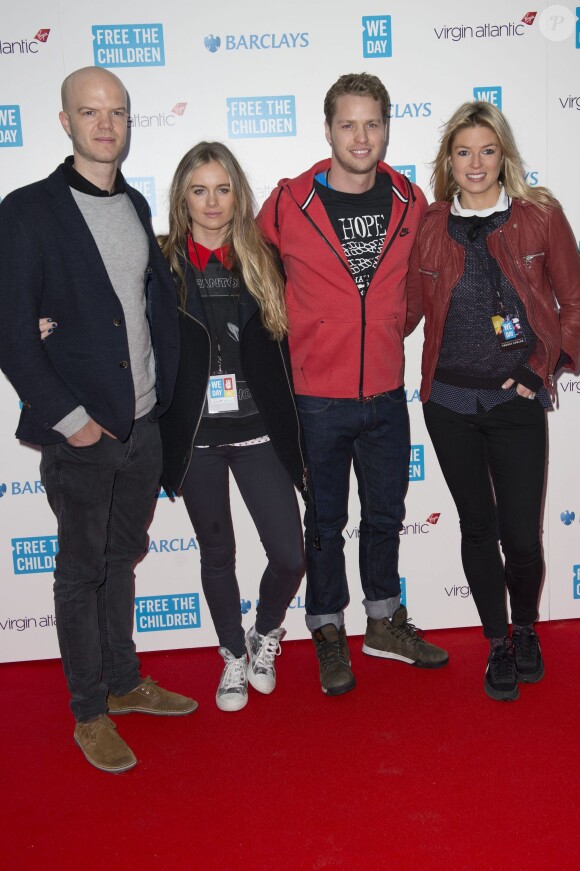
217,330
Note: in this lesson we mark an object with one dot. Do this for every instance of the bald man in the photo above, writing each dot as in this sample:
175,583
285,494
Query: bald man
79,247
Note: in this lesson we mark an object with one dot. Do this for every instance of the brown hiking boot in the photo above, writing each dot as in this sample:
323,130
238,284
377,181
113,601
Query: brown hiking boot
149,698
103,747
333,655
399,639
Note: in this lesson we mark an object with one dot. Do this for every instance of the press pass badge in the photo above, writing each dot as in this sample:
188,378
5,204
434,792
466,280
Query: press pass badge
222,394
509,332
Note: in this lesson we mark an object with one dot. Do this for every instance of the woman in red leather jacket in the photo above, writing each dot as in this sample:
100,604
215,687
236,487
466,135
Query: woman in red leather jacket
500,275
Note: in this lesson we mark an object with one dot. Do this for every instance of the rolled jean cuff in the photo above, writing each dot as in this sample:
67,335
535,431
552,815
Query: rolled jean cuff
316,621
382,607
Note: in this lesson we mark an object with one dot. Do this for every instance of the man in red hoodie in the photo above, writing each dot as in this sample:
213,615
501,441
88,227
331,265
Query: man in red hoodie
345,229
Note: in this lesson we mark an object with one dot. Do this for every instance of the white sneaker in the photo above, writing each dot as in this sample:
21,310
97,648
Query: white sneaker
232,693
263,650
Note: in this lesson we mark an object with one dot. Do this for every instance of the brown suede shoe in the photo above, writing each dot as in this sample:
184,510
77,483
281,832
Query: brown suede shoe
103,747
149,698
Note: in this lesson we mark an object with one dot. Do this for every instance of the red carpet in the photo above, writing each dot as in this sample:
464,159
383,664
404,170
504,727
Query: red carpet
413,769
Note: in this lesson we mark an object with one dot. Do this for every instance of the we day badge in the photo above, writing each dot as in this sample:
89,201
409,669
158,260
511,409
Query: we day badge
222,394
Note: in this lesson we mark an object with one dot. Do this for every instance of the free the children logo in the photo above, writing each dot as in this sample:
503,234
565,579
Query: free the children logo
128,45
34,555
260,117
167,612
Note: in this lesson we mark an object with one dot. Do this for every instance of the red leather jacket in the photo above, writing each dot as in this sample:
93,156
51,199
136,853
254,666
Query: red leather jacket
537,252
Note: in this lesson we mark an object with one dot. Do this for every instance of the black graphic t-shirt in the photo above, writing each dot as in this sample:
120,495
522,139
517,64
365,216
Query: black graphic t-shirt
219,289
360,221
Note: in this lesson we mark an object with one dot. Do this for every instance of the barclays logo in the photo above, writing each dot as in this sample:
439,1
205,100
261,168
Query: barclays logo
532,177
172,545
567,517
22,488
410,110
212,43
245,606
256,41
10,127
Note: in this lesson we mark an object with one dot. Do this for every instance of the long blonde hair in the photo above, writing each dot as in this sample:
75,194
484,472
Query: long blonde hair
512,175
250,255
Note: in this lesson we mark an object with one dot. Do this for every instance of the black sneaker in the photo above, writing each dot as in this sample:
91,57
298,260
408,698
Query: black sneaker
528,654
501,680
336,676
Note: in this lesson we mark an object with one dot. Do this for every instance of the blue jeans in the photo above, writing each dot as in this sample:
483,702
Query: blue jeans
103,497
373,435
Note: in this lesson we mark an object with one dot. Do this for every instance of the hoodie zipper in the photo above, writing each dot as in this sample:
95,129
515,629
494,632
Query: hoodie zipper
345,266
189,458
304,467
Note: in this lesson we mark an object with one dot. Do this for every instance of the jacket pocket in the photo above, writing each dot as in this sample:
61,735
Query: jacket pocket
429,278
529,260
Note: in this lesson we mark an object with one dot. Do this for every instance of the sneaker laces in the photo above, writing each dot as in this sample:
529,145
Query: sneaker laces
326,649
526,644
501,661
269,649
408,633
234,673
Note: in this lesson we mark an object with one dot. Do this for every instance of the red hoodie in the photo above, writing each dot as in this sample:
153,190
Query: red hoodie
341,344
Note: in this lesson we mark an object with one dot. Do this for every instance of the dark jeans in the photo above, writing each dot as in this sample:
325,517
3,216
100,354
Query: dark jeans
103,497
494,465
268,492
374,436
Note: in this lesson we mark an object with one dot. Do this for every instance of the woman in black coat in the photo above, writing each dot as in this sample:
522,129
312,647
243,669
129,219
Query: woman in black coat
233,408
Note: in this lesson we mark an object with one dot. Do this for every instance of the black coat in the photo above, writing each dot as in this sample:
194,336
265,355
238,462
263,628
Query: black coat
267,370
50,266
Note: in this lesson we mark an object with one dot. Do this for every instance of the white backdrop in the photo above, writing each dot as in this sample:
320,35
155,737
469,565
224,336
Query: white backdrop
254,75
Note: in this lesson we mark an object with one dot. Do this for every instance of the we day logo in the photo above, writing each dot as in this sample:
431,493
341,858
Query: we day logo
377,36
10,127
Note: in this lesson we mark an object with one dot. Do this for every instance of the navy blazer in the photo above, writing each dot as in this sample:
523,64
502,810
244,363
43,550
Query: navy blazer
50,266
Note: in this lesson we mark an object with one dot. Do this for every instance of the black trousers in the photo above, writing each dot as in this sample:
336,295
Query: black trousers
103,497
494,465
269,494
